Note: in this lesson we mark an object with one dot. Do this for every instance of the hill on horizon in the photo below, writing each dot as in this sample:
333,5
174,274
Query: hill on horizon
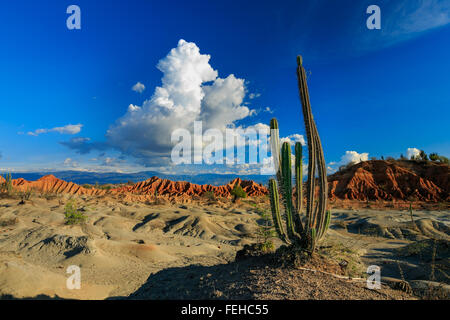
386,180
85,177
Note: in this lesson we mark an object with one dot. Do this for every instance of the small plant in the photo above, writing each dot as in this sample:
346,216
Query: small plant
412,218
25,195
210,196
7,186
238,193
106,187
265,233
72,214
423,156
48,195
156,200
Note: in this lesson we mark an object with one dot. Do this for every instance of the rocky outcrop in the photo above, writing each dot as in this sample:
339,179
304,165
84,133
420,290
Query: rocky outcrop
373,180
51,184
391,180
183,188
161,187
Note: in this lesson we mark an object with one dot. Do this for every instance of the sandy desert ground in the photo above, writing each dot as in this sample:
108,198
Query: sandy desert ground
146,250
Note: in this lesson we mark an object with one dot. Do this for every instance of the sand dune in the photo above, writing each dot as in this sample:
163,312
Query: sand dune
123,243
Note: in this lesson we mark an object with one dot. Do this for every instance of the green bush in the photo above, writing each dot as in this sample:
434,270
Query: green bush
6,186
435,157
238,193
423,155
210,196
72,214
266,232
25,195
443,159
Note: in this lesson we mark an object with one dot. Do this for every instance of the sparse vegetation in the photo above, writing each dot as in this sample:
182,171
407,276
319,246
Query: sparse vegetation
25,195
437,158
72,214
348,258
238,193
106,187
48,195
210,196
6,186
423,156
265,233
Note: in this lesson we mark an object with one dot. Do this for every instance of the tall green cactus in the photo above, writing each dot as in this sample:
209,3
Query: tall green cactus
316,220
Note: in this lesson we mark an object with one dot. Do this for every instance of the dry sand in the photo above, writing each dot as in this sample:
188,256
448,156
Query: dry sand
127,248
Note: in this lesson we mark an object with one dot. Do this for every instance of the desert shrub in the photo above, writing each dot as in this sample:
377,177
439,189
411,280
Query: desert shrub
209,195
87,186
423,155
48,195
434,156
72,214
443,159
438,158
104,187
25,195
6,186
238,193
265,233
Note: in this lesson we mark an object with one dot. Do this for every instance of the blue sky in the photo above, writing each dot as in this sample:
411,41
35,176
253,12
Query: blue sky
374,92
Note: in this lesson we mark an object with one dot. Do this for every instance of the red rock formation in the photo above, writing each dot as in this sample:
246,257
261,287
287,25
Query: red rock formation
183,188
370,180
51,184
164,187
391,180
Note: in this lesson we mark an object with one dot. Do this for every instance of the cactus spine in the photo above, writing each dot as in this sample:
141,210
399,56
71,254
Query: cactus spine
317,219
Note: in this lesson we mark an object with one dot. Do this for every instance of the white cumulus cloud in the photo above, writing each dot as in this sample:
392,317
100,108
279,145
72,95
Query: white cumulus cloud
190,91
67,129
353,156
293,138
138,87
70,162
410,152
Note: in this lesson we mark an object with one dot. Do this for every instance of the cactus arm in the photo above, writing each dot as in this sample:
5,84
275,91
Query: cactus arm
275,149
298,186
312,239
316,216
323,227
307,116
286,171
275,208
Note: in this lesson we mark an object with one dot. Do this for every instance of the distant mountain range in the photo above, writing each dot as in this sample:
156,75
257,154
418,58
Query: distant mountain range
83,177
